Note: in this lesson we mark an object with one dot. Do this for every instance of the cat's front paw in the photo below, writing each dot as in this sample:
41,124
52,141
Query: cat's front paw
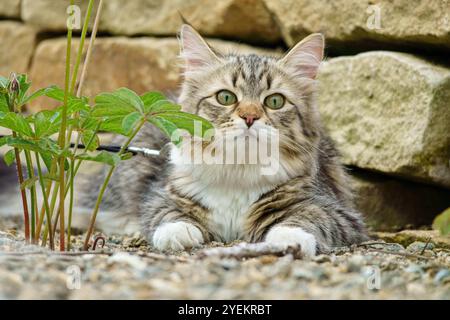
177,236
282,235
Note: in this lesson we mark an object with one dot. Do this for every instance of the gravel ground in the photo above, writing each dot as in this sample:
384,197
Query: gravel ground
127,268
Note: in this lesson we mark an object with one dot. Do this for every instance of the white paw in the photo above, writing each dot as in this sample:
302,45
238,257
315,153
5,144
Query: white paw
177,236
293,235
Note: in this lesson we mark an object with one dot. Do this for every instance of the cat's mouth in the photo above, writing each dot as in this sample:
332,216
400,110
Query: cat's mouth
256,147
257,131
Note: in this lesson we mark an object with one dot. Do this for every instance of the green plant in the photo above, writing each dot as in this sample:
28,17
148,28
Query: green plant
442,222
122,112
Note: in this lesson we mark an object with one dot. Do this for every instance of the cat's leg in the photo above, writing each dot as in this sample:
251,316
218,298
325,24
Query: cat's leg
171,227
317,224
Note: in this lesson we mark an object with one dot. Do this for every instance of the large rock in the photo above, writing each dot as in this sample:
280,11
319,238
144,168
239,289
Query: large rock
238,19
141,64
400,21
407,237
51,15
17,42
10,8
389,112
391,204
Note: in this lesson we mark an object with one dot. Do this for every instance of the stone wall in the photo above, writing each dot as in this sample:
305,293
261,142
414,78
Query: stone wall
388,111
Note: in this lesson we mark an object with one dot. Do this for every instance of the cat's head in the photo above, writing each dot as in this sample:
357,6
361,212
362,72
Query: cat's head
251,93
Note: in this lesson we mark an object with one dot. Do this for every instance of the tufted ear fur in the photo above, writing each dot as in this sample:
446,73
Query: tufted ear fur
305,57
194,50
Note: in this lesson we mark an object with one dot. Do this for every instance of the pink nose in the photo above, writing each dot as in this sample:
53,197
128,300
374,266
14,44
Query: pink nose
249,119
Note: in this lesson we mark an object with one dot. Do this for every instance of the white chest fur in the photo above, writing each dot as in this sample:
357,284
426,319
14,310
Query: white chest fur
227,191
229,208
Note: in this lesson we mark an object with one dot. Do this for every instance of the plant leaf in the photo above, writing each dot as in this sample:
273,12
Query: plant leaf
42,146
194,124
165,126
47,158
163,106
24,144
126,156
3,103
442,222
46,123
74,104
120,102
3,83
4,140
49,177
89,123
24,85
41,124
16,123
28,183
104,157
90,140
130,121
37,94
112,124
9,157
66,165
150,98
57,93
50,146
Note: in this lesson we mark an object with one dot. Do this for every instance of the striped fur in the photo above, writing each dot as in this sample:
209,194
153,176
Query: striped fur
307,201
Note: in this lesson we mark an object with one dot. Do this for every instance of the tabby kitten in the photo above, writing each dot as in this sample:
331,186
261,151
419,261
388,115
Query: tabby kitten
305,201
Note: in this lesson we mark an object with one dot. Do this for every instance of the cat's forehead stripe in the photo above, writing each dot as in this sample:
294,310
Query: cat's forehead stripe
252,69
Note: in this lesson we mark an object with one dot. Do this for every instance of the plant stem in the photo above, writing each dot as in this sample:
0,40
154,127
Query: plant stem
81,46
69,224
48,189
90,47
77,166
105,184
86,60
26,215
73,171
33,195
45,196
62,140
11,101
52,207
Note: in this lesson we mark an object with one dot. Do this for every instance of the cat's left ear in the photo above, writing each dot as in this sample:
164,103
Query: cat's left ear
305,57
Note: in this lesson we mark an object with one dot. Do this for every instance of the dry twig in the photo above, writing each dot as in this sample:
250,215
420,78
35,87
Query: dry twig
251,250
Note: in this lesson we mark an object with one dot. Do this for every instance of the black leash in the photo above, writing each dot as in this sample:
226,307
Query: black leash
100,148
133,150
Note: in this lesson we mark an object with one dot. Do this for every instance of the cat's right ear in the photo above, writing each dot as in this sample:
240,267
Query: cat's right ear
195,51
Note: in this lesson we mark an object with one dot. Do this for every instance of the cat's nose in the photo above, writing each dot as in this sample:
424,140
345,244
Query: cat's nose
249,119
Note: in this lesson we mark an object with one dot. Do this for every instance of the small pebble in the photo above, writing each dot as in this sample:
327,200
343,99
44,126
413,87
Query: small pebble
136,271
418,246
443,276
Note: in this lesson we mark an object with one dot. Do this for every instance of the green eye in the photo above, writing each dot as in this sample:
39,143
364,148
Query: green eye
274,101
226,97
